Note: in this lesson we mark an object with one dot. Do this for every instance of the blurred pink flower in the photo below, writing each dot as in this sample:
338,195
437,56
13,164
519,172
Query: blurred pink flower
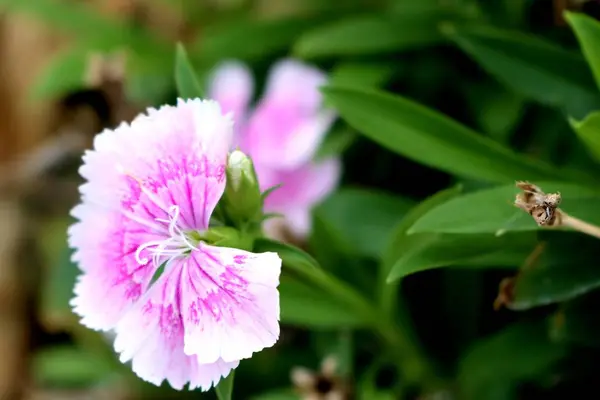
282,134
151,189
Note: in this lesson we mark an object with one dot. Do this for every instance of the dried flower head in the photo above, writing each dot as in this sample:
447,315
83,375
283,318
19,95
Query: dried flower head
325,384
541,206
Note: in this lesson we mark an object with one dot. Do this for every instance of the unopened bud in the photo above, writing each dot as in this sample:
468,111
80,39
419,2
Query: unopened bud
242,200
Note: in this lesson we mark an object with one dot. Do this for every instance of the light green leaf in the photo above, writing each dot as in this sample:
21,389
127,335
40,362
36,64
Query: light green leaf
97,30
69,366
188,86
371,34
225,387
373,217
433,139
533,67
335,143
588,131
492,210
64,74
587,30
517,354
304,305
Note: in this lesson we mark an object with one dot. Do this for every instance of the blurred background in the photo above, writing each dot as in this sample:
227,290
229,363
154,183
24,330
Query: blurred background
73,67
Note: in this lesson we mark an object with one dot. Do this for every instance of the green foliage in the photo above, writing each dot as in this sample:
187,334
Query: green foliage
531,66
423,135
188,86
441,107
225,388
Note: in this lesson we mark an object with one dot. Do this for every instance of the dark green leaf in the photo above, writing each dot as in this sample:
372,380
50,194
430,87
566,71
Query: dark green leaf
362,74
576,323
188,86
305,305
587,30
566,269
433,139
281,394
496,110
369,34
432,250
399,242
517,354
247,40
492,210
588,131
225,387
531,66
293,257
362,220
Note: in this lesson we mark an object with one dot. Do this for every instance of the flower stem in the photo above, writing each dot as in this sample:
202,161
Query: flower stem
579,225
413,365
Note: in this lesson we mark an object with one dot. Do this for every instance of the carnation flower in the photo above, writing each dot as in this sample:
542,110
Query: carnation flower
182,308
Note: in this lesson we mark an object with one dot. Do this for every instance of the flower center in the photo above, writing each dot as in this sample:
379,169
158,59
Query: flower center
177,244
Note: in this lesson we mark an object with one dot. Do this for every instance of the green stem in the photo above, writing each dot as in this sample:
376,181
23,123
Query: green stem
414,365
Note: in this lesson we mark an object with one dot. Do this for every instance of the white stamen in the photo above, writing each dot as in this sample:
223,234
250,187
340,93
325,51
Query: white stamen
171,247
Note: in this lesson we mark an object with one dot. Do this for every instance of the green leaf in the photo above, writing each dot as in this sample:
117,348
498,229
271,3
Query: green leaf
533,67
232,39
64,74
374,216
372,34
225,387
70,366
434,250
520,353
588,131
492,210
587,30
572,323
496,110
335,143
188,86
361,74
566,269
278,394
293,257
304,305
399,243
433,139
97,30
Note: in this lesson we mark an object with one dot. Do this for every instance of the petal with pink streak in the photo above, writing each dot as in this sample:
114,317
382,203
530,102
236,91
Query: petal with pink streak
133,181
151,336
300,191
288,124
231,85
230,303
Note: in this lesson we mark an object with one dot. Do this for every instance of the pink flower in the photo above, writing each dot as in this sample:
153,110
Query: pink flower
282,134
151,189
